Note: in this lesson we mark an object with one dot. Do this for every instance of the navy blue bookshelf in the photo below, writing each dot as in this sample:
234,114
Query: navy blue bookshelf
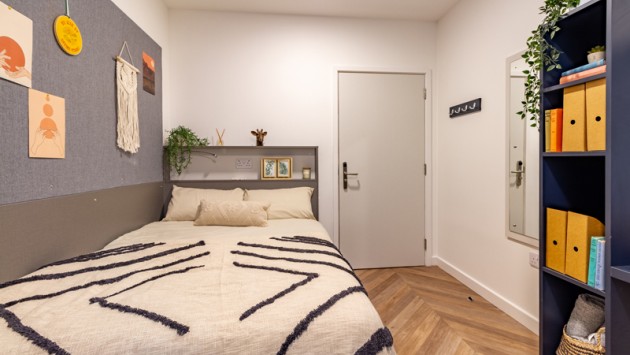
592,183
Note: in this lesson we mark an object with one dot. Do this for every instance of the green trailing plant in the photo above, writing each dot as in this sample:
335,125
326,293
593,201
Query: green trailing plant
179,146
541,54
597,49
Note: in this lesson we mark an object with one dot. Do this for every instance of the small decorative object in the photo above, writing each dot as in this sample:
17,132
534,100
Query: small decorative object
67,33
148,73
596,53
260,137
466,107
285,168
179,145
16,46
220,136
306,173
128,129
46,125
268,168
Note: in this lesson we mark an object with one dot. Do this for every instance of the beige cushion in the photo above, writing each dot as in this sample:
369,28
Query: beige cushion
285,203
232,213
185,201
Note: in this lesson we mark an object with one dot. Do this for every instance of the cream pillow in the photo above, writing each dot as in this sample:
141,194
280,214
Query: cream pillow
232,213
285,203
185,201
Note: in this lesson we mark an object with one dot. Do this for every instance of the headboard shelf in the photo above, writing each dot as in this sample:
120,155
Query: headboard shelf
239,166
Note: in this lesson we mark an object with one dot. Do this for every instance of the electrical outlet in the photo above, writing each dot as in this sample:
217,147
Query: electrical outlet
243,163
533,260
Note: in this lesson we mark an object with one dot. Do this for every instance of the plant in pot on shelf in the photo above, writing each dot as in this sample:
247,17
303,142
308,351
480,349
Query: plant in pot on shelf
541,54
596,53
179,145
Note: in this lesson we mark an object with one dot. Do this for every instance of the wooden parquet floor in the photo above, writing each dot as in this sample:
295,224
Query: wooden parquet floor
430,312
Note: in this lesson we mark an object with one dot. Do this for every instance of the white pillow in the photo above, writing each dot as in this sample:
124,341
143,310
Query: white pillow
185,201
285,203
232,213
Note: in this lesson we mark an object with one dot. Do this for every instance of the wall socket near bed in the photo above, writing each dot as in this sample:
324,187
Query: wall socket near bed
243,163
533,260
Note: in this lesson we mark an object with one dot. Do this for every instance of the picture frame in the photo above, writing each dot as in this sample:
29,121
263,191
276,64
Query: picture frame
284,168
268,168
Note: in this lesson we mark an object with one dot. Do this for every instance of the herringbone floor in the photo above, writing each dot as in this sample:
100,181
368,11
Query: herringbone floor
430,312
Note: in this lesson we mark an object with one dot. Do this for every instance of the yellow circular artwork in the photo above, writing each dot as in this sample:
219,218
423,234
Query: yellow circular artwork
68,35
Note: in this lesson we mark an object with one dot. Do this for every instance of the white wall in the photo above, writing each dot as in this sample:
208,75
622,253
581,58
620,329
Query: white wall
152,17
241,72
474,40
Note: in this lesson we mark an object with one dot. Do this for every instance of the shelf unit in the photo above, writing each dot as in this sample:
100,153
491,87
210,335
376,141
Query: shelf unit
228,167
592,183
242,163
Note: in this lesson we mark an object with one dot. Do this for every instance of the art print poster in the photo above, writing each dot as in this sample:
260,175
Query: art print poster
148,73
16,46
46,125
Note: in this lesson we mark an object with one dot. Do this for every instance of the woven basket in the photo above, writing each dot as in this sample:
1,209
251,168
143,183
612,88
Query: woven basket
572,346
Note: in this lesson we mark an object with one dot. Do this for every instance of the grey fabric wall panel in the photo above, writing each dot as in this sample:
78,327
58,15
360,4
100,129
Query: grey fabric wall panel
87,82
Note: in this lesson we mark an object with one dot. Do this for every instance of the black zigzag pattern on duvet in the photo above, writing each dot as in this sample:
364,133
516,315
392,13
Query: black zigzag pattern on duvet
313,241
310,276
305,261
15,324
302,326
292,250
99,268
103,254
307,240
103,281
180,328
380,340
157,277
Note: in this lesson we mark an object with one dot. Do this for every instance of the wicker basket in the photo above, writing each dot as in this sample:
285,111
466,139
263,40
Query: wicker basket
572,346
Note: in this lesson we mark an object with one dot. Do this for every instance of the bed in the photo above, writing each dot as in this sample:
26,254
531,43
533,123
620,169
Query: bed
193,284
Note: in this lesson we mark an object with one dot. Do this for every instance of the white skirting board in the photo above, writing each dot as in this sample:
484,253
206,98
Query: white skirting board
520,315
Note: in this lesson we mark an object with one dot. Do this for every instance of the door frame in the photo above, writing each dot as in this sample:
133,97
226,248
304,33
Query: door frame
428,152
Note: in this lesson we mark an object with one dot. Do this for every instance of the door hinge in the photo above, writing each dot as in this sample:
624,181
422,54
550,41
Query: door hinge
425,245
425,93
425,169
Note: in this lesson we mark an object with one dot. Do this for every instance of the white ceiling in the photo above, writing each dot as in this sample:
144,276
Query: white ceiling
425,10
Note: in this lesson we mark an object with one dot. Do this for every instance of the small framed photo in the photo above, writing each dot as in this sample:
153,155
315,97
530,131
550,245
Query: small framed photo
268,168
285,168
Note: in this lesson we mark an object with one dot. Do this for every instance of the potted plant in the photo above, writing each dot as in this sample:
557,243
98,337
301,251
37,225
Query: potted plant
179,145
596,53
541,54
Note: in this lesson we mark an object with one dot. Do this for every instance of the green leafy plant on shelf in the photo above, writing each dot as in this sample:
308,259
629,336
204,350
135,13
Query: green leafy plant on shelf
179,145
541,54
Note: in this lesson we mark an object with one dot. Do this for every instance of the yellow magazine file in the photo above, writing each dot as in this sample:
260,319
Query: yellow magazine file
596,115
556,239
580,229
573,120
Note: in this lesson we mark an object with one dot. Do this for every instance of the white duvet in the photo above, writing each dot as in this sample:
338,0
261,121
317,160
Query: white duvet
174,288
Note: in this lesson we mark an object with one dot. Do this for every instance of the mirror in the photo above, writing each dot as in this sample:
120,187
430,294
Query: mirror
523,167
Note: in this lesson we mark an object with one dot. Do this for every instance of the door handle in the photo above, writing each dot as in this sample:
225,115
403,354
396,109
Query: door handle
346,174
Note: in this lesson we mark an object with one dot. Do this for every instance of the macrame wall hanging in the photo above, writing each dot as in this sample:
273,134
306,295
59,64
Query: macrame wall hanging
127,82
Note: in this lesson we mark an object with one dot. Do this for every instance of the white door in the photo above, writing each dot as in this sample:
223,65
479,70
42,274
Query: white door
381,143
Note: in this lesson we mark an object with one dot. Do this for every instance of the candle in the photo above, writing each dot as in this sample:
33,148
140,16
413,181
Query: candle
306,173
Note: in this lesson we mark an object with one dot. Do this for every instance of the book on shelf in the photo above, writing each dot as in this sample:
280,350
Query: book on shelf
599,267
584,67
555,130
547,130
592,261
583,74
